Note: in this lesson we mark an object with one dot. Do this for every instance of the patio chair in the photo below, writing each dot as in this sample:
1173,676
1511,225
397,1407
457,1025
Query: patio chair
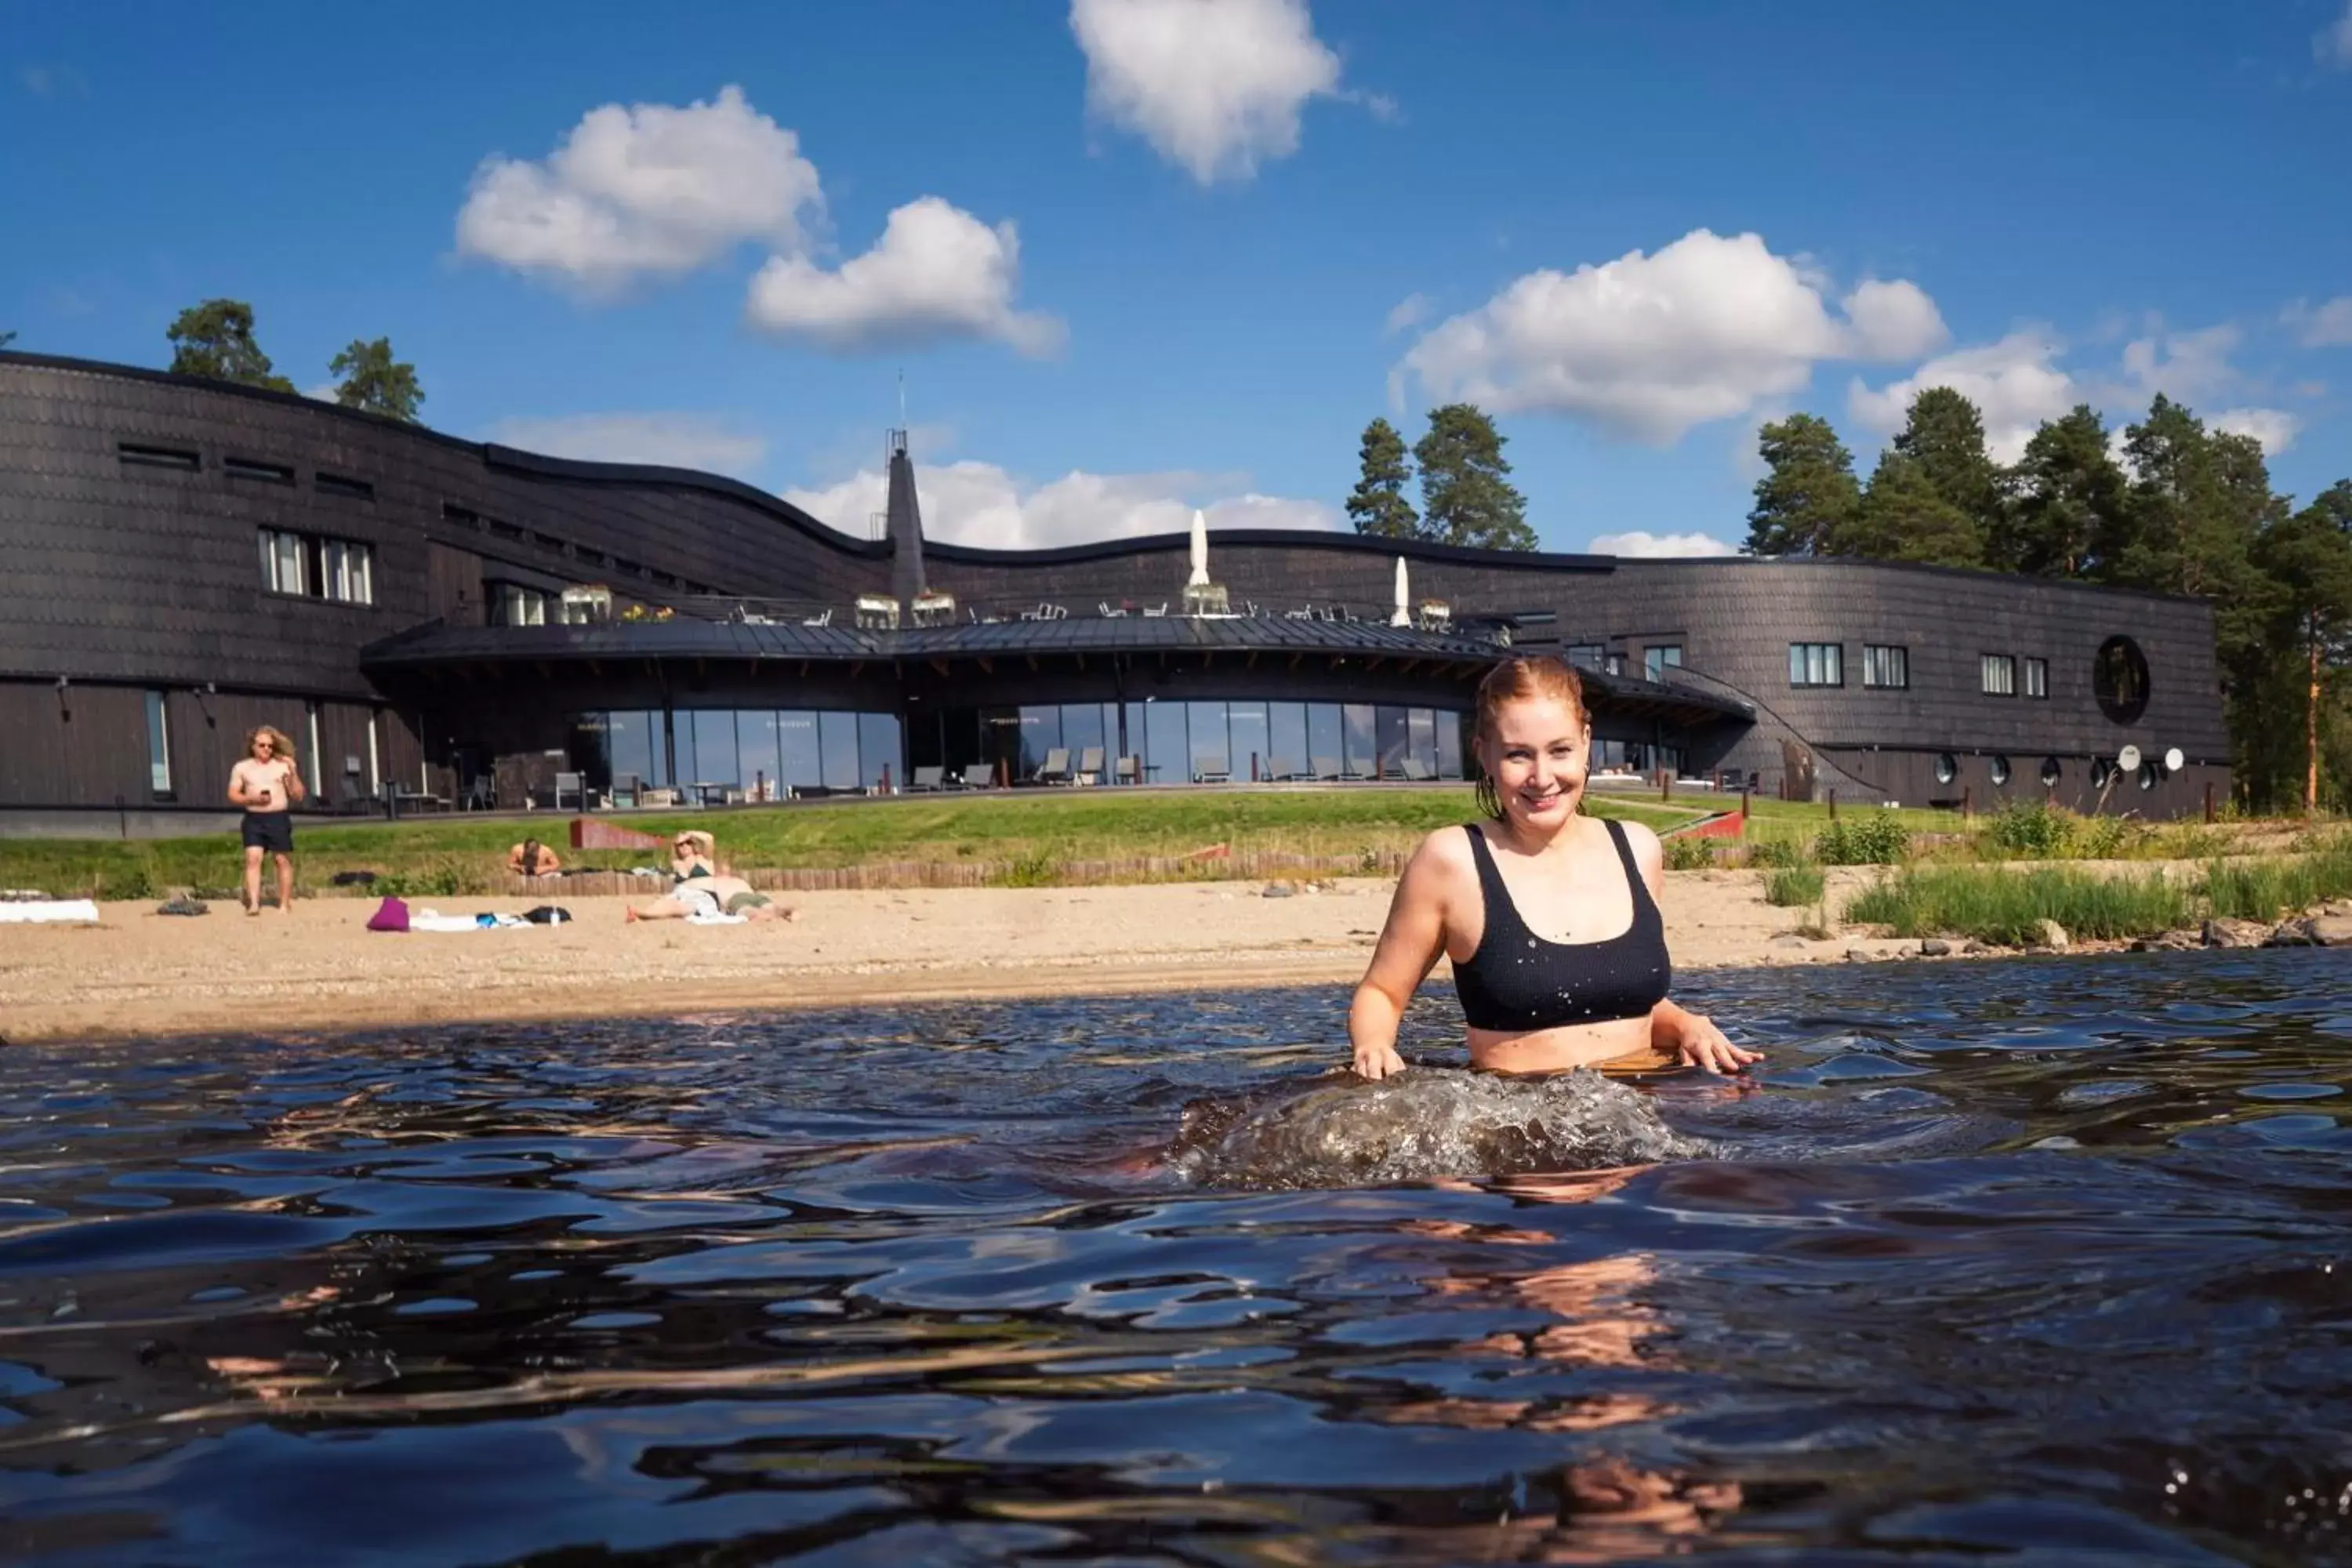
977,775
1418,771
1326,769
824,619
1279,769
626,789
570,784
927,778
1056,768
1156,612
1211,770
1129,771
1090,764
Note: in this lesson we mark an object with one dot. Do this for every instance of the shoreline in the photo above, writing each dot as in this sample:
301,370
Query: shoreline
140,975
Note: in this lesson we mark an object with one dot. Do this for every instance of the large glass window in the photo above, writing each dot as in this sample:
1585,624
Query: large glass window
1998,674
837,735
1082,726
1041,732
1360,755
1168,751
755,736
1656,660
1881,665
1450,730
1816,664
632,748
1324,747
1252,741
800,756
590,751
878,750
714,759
1213,752
1389,740
518,606
1421,742
1586,655
1285,739
159,745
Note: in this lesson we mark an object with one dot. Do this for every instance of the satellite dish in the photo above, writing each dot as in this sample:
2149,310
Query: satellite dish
2127,759
2174,762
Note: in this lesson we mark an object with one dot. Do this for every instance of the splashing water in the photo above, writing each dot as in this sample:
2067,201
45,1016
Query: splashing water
1338,1130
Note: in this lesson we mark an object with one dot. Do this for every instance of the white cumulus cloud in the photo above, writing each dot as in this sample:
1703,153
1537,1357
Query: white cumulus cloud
2327,326
645,189
699,441
1215,86
2016,384
1709,327
976,504
1409,311
2333,44
1640,543
936,272
2275,428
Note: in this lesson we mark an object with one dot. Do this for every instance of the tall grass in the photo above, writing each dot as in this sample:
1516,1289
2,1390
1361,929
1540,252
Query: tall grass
1793,886
2261,889
1864,838
2008,907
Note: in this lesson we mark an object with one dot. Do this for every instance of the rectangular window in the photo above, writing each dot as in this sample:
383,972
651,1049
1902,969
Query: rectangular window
548,541
1656,660
2037,677
1816,664
264,473
1585,654
158,457
1885,666
518,606
502,530
336,485
338,569
159,745
284,563
464,517
2000,674
348,570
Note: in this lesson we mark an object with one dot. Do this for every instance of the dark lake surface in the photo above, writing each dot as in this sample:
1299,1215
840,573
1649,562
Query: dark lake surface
2033,1261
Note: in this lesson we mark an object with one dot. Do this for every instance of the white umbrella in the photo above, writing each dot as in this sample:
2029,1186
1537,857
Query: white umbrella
1403,617
1199,550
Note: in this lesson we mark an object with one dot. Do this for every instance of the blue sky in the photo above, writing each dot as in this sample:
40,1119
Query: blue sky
1135,255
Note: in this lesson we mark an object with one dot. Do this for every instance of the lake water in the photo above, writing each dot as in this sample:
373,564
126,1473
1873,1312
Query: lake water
2005,1261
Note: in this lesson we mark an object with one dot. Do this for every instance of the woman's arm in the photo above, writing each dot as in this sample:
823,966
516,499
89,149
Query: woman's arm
1690,1039
1408,946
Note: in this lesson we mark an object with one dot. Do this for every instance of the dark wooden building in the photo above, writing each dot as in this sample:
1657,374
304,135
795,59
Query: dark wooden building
181,561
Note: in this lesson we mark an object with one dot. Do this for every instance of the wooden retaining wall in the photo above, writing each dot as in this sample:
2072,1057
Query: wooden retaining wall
1245,866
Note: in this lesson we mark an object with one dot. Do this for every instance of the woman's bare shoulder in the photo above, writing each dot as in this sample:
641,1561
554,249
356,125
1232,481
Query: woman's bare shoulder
1643,840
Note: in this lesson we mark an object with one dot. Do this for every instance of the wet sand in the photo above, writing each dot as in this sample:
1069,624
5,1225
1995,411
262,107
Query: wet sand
139,974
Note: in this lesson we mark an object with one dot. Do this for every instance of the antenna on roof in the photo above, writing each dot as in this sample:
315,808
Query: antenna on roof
902,400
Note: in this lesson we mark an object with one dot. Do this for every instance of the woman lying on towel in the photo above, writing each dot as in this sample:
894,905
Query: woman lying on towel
710,896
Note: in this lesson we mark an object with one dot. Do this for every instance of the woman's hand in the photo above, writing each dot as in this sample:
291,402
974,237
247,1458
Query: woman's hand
1697,1043
1377,1061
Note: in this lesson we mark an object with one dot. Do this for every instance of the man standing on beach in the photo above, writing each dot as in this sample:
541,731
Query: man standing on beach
267,785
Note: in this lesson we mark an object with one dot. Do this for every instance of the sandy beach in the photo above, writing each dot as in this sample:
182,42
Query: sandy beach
141,973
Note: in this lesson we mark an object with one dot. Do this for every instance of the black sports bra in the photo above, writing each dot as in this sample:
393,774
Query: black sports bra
1516,980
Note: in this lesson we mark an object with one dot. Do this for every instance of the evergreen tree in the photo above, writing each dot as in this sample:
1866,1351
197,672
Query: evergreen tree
372,380
2066,496
6,338
2307,559
1377,503
1904,517
1466,497
1809,497
1944,435
214,339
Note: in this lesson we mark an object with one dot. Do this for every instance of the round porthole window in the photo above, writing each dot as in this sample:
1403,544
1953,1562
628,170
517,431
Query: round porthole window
2147,775
1948,767
2102,770
2051,772
2120,680
2000,770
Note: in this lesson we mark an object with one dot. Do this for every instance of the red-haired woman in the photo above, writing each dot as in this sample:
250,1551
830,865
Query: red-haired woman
1551,917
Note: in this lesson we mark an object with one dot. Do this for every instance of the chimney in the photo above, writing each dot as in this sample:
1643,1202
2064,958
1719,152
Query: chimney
906,527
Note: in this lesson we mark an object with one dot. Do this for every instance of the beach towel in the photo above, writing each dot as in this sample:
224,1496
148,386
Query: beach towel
48,910
389,915
430,919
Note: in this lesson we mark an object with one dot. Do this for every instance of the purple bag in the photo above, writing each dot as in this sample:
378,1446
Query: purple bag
389,915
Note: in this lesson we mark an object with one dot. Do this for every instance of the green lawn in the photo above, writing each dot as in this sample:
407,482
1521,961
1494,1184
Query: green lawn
1029,827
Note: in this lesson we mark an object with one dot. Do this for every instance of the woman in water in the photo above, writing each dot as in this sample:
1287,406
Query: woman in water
1550,918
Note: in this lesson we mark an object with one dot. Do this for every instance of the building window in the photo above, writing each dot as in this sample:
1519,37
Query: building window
514,606
342,570
1656,660
2037,676
158,457
1586,655
1885,667
1999,770
2051,772
264,473
159,745
2147,775
1948,767
1816,664
336,485
1999,673
2120,680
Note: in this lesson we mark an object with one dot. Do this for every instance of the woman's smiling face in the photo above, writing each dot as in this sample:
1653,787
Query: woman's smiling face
1537,757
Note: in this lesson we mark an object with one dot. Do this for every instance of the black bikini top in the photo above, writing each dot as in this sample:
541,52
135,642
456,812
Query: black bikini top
1516,980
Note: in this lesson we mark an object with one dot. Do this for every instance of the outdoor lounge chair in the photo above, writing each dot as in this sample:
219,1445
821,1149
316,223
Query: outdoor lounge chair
1418,771
1211,770
573,785
1129,771
1090,764
927,778
975,776
1056,768
1326,769
1279,769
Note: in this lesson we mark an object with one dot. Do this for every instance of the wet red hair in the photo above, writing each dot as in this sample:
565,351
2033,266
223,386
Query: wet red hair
1520,679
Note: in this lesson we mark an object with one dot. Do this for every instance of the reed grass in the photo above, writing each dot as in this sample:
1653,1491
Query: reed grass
2008,907
2263,889
1793,887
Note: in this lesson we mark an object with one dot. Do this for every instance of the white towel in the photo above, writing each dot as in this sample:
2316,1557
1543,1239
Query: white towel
49,910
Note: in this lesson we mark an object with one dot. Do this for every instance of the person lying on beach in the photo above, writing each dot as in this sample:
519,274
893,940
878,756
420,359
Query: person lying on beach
692,853
709,894
532,859
1550,918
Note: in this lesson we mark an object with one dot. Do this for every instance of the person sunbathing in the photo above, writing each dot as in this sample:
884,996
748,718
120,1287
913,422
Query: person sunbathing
709,894
1550,918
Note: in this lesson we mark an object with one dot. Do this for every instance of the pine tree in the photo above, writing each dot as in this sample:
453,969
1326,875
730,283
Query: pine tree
1944,435
1809,497
1378,504
1903,518
214,339
374,381
2066,496
1466,497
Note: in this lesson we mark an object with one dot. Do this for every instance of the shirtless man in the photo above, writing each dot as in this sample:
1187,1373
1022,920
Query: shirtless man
266,784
